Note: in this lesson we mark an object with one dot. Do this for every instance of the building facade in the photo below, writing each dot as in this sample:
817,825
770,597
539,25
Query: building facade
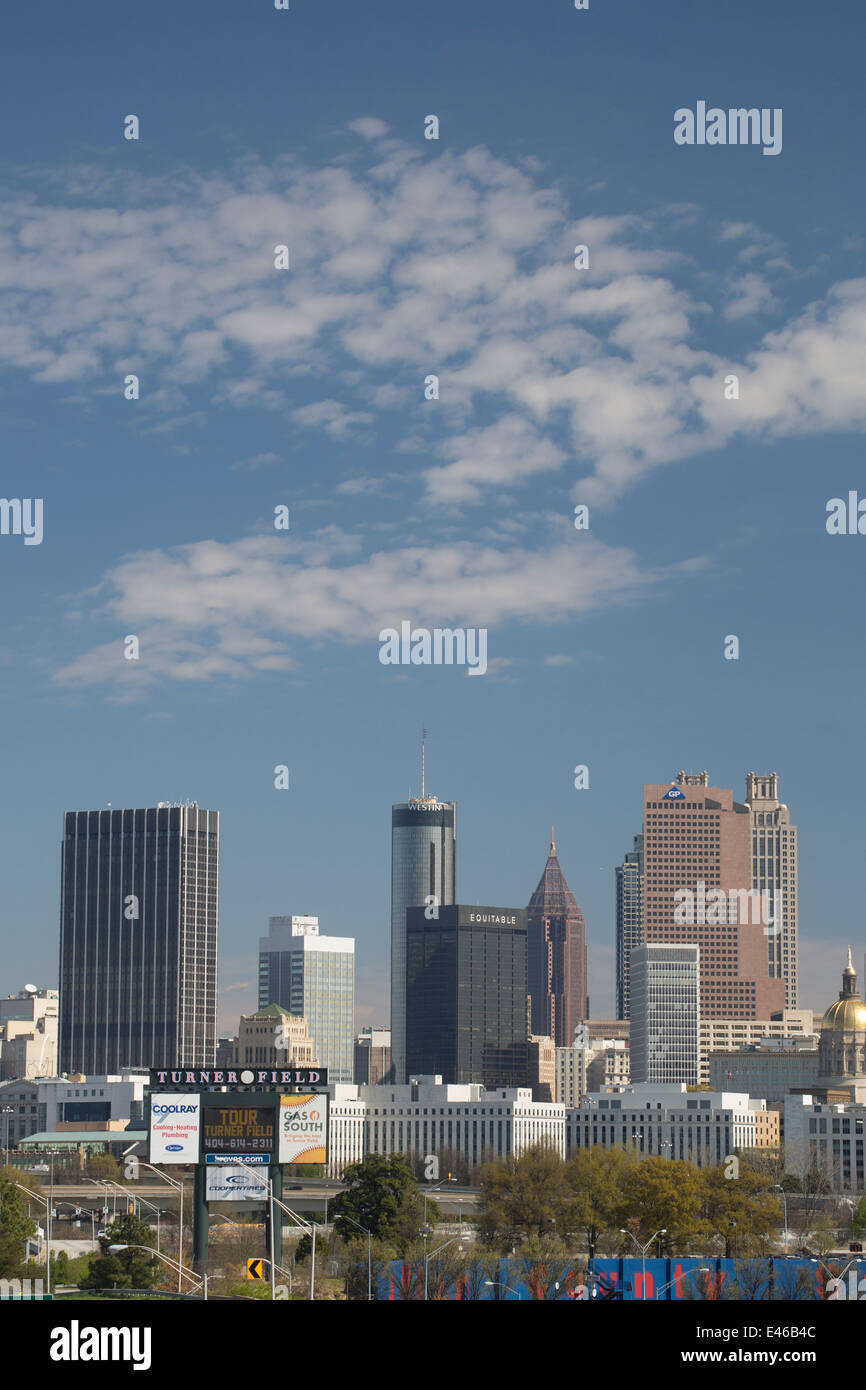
665,1014
138,938
667,1122
774,871
372,1056
769,1068
698,888
629,921
272,1037
730,1034
73,1102
581,1069
466,994
423,871
428,1117
826,1138
557,956
313,977
28,1034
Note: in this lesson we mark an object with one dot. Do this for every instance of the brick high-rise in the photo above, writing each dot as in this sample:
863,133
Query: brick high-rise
557,956
694,835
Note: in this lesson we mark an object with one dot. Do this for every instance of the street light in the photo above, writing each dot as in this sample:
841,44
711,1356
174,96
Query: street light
308,1226
777,1187
166,1259
841,1276
701,1269
174,1183
136,1197
643,1249
47,1201
6,1111
428,1258
491,1284
369,1254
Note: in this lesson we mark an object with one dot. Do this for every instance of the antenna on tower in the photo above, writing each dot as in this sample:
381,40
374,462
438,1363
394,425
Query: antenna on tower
423,738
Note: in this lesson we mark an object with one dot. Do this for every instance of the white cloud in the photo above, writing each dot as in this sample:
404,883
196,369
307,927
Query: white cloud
454,263
229,609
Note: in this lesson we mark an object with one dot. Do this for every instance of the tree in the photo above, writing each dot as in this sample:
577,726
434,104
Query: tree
60,1267
665,1193
383,1197
132,1268
524,1196
596,1178
15,1226
739,1210
103,1166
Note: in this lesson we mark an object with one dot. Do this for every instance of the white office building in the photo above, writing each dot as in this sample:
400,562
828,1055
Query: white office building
671,1122
665,1013
313,976
429,1117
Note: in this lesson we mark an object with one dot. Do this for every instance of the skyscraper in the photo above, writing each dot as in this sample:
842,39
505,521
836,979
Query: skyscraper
466,995
138,938
313,977
556,956
665,1014
774,870
423,866
698,846
629,920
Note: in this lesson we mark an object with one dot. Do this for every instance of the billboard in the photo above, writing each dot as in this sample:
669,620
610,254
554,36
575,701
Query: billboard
303,1129
174,1127
227,1183
228,1127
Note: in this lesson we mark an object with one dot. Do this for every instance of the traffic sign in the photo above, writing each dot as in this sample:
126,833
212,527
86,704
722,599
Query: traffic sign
254,1269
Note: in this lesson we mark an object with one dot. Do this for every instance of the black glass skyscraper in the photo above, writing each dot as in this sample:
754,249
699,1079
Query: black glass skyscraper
138,938
466,995
423,865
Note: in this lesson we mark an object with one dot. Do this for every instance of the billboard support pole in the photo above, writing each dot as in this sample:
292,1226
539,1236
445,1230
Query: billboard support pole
276,1176
200,1221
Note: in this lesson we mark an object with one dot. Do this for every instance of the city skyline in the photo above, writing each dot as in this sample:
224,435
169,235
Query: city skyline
373,1007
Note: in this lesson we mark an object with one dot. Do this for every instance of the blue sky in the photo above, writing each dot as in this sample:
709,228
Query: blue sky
305,388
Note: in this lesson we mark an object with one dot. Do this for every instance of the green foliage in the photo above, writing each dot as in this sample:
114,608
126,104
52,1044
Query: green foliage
859,1218
15,1227
60,1267
739,1210
383,1197
125,1269
103,1166
596,1179
524,1196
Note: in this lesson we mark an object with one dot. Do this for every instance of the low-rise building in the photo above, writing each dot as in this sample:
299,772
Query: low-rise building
28,1034
669,1121
826,1138
272,1037
584,1068
728,1034
49,1104
769,1068
429,1117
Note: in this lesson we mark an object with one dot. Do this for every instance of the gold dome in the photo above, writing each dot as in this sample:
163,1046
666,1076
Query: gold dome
845,1016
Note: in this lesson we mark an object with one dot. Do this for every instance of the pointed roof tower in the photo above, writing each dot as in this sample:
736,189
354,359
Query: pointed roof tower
556,956
553,897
